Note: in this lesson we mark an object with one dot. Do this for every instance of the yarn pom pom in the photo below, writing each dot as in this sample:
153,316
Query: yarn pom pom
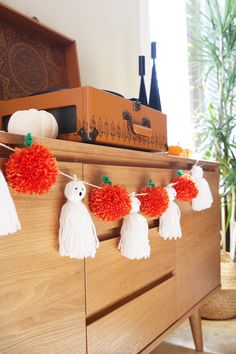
185,187
155,202
31,170
110,203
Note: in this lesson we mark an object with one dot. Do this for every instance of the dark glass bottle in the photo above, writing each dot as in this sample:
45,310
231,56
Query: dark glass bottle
142,90
154,98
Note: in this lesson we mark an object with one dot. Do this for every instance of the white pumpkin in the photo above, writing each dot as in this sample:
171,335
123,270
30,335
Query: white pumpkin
38,123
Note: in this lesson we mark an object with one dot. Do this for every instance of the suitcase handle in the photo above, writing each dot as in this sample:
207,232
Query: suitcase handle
143,130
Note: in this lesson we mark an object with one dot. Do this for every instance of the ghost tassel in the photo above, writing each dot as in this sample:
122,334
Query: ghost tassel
77,234
204,198
9,222
134,242
169,226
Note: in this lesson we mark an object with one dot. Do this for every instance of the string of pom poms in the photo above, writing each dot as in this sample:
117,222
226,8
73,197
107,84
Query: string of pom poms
65,174
34,170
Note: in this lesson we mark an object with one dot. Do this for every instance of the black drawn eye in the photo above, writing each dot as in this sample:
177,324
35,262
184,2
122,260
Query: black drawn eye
76,188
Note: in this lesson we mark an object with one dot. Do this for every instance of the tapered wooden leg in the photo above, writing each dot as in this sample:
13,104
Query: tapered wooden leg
196,327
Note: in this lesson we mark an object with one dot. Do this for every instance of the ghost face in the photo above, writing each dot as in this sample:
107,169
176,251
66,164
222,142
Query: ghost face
75,191
135,205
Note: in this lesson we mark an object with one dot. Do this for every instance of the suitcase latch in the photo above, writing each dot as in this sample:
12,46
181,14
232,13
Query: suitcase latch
88,137
146,122
137,105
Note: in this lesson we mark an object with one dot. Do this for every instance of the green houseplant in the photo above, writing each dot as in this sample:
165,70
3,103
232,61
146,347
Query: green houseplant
212,35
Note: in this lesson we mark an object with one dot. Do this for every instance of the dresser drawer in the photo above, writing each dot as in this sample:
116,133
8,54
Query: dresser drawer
42,307
112,277
198,251
134,325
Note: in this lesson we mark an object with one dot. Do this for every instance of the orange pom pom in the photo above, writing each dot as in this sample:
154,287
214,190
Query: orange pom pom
175,150
110,203
155,202
185,187
31,170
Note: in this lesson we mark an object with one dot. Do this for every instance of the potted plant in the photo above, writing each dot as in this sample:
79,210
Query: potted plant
212,37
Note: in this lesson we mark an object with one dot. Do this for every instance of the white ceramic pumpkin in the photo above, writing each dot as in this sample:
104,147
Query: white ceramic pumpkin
38,123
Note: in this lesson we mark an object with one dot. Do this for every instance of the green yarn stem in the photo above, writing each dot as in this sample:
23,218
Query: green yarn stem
28,139
151,184
180,173
106,180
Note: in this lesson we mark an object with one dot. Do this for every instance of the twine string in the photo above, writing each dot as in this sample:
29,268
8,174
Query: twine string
66,175
7,147
74,178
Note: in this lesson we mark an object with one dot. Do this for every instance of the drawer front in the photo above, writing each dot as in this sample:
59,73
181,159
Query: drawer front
198,251
134,325
42,307
112,277
134,178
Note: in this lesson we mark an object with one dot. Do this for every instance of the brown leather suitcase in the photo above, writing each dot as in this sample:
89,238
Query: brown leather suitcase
37,58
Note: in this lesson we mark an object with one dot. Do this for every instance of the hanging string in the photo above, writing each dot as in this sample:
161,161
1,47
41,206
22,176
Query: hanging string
62,173
74,177
7,147
92,185
66,175
197,163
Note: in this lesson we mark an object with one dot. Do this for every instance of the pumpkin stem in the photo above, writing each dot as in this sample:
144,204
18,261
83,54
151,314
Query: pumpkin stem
180,173
28,140
151,184
106,180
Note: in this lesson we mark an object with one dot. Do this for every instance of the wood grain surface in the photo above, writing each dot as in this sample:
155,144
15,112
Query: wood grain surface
198,252
120,276
42,307
132,326
46,300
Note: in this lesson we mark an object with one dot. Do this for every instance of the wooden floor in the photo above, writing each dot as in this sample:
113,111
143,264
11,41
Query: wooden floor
219,338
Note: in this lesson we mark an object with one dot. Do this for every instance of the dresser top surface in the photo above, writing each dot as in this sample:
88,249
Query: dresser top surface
93,153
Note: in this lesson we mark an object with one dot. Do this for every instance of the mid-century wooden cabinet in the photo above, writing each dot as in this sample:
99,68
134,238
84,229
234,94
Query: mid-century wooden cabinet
50,304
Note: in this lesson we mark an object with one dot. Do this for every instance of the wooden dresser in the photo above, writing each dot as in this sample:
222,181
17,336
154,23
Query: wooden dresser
50,304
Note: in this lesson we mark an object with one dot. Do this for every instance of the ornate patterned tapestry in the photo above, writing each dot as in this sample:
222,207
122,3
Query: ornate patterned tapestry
29,63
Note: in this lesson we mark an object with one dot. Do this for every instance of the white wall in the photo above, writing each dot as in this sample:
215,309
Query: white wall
107,33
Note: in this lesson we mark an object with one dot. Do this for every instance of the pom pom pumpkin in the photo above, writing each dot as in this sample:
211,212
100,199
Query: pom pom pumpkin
31,170
175,150
110,203
155,202
185,187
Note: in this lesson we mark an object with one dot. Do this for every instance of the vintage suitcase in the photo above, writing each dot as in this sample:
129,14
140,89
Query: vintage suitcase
37,58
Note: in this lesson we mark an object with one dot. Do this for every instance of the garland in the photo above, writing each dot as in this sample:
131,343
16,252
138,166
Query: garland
34,170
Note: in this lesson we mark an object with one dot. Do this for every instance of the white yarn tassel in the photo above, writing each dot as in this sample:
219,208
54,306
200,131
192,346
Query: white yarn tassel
169,226
9,222
134,242
204,198
77,234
